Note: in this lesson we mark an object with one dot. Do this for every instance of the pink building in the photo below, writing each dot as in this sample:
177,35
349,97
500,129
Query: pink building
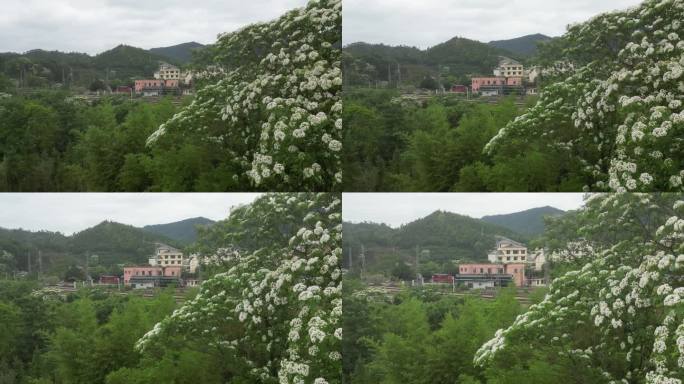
150,271
477,82
514,81
481,269
155,84
517,271
142,84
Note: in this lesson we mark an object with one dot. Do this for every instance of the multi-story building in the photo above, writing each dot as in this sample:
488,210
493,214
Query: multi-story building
167,71
509,68
508,251
166,255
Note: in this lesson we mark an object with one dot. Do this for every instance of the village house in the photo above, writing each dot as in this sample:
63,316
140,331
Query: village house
490,275
166,255
167,71
510,77
508,251
151,276
168,79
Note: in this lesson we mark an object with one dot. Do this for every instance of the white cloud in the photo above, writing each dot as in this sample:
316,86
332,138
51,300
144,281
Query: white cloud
396,209
426,23
94,26
73,212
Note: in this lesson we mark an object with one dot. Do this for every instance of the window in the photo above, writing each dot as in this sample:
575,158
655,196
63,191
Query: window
515,252
489,270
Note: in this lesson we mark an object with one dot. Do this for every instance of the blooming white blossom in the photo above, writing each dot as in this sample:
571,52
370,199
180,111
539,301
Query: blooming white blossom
278,94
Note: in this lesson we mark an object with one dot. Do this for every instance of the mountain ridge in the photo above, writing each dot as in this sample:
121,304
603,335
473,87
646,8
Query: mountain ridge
529,222
182,230
523,45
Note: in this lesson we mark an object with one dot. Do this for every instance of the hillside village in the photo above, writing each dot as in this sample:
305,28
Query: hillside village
455,251
122,70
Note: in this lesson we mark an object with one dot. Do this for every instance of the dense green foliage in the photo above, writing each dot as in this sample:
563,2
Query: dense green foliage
421,336
529,222
440,238
51,142
452,62
394,144
85,338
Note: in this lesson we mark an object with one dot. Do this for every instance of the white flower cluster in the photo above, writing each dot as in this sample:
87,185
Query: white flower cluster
277,107
287,301
624,109
630,296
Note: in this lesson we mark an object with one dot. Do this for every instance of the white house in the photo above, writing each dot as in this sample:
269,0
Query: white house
509,68
168,71
508,251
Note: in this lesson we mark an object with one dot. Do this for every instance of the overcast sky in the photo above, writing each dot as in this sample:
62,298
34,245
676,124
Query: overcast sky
73,212
424,23
395,209
94,26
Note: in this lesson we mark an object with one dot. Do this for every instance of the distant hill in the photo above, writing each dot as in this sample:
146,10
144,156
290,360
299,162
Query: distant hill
181,53
441,238
455,60
121,64
112,243
128,62
184,231
117,243
529,222
523,46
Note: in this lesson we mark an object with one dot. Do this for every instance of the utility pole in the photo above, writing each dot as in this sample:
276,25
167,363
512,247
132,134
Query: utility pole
399,73
28,253
389,75
363,260
350,259
40,263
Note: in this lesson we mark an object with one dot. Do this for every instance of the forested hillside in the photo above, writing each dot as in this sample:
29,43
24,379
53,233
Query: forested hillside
184,231
181,53
529,222
120,65
454,60
439,239
101,247
523,46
